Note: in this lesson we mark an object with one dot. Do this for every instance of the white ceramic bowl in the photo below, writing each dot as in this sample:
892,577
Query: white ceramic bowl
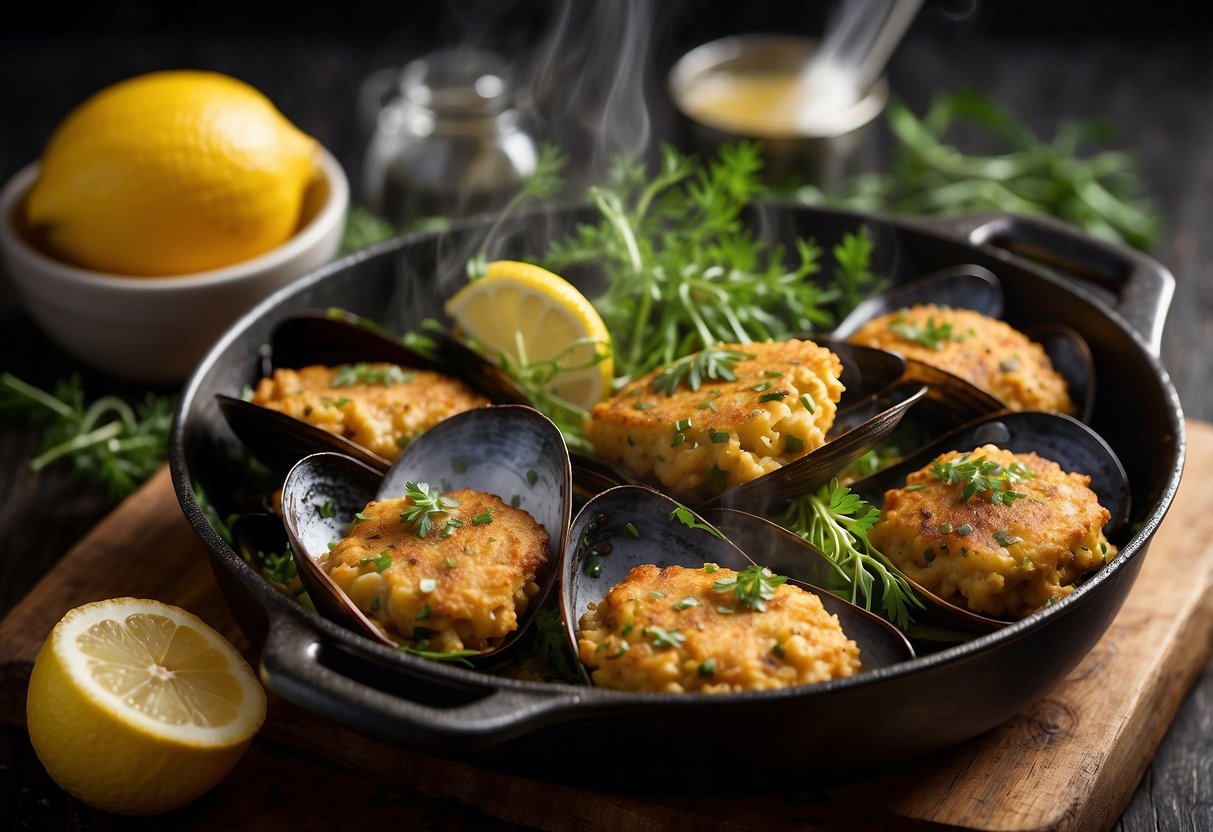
154,330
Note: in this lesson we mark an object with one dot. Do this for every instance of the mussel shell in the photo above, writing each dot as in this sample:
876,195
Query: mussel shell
777,487
320,497
333,338
663,541
511,451
1057,437
965,286
789,554
1072,359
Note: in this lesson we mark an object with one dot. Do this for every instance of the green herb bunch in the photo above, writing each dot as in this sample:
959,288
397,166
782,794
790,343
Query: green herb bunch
1098,190
683,271
836,521
110,443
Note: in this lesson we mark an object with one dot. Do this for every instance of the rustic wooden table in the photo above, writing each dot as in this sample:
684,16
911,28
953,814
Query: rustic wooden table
1152,78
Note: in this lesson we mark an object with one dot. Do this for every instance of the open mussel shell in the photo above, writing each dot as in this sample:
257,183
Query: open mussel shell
511,451
1054,436
333,338
633,525
807,473
789,554
965,286
1072,359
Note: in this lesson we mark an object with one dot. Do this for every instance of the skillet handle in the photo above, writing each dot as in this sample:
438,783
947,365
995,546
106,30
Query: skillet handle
1142,286
381,699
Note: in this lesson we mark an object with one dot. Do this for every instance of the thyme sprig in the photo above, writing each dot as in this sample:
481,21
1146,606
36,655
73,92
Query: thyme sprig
429,507
713,363
753,586
980,475
836,521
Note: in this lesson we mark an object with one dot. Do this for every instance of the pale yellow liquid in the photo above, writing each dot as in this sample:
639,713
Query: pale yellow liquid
774,103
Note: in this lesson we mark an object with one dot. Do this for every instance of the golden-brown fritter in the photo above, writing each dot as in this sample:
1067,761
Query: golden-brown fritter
698,442
672,631
381,407
458,588
996,559
984,351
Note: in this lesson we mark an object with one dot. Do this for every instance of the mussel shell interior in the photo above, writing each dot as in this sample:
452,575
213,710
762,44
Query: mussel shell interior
630,526
964,286
1054,436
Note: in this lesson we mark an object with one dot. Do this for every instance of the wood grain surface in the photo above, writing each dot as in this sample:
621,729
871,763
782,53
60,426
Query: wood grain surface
1069,762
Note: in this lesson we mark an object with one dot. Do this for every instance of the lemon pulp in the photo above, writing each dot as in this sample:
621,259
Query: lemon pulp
139,707
534,315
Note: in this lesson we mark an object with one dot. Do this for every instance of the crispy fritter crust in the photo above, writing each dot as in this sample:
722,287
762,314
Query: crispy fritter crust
738,430
984,351
470,605
1053,536
669,631
381,417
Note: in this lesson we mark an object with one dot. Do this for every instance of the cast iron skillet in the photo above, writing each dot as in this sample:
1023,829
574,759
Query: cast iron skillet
1115,297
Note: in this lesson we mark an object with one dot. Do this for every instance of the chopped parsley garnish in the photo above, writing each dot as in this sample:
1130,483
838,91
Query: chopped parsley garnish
718,437
773,396
449,563
665,638
754,586
381,561
428,506
363,373
793,444
807,401
931,335
483,518
326,509
707,667
686,603
980,475
710,568
630,531
711,363
532,476
1005,538
424,613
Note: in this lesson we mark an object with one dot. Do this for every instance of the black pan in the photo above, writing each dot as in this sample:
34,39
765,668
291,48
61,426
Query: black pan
1115,297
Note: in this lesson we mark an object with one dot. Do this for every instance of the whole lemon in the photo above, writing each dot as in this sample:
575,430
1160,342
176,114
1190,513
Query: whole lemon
171,173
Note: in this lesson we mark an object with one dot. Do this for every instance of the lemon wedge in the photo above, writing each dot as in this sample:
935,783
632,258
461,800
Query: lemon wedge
138,707
533,315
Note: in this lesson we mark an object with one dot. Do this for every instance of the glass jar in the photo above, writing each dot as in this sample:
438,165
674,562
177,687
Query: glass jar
447,139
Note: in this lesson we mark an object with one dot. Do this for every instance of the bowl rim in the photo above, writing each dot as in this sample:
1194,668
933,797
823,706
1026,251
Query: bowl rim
331,214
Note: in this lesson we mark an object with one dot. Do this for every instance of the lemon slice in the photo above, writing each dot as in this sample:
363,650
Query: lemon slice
138,707
534,315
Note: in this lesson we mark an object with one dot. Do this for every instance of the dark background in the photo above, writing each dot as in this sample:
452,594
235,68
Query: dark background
1147,68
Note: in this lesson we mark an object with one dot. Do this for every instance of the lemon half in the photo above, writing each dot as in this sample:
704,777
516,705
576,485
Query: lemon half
171,173
138,707
534,315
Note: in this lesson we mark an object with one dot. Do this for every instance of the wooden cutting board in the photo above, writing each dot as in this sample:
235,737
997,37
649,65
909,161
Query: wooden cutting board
1070,761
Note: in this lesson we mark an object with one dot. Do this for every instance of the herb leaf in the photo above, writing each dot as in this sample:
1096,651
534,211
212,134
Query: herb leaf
980,475
930,334
428,504
688,518
754,586
109,443
836,521
710,363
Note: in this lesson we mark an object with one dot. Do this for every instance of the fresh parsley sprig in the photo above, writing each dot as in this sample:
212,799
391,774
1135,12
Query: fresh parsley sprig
713,363
980,475
753,586
688,518
544,182
429,507
109,443
836,521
